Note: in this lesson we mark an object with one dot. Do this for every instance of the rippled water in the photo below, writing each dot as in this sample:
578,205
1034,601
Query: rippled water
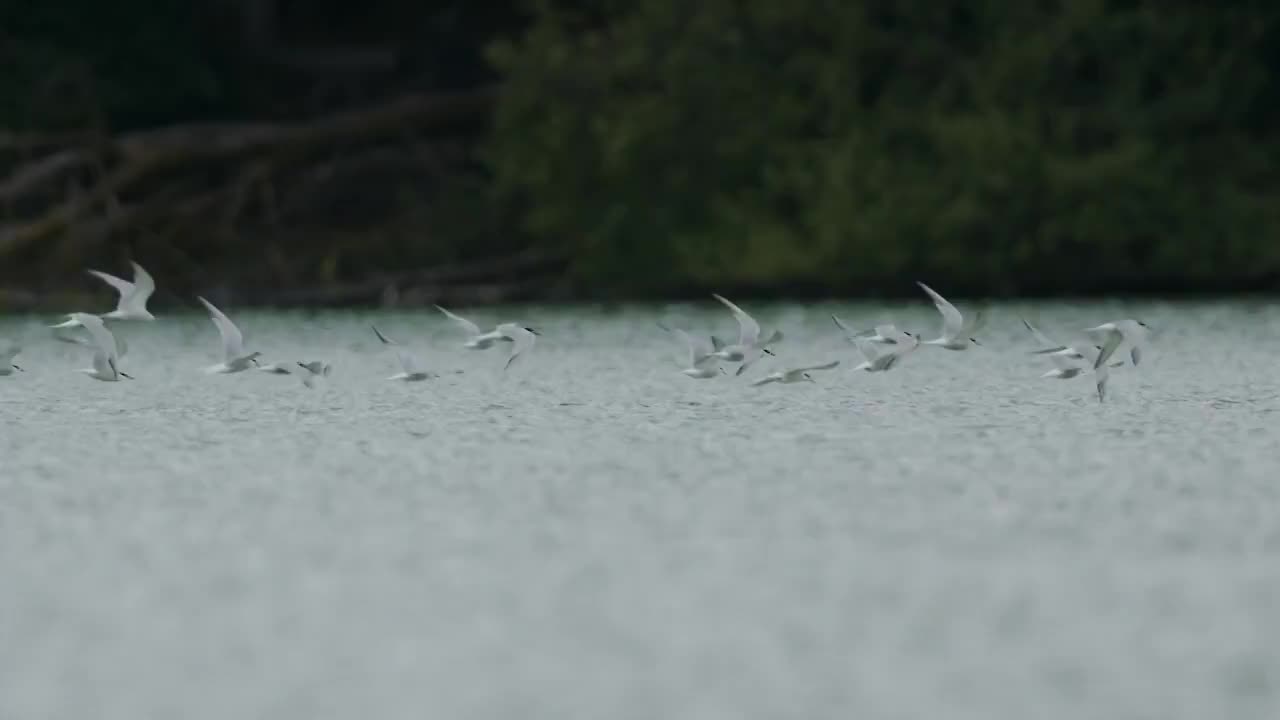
594,535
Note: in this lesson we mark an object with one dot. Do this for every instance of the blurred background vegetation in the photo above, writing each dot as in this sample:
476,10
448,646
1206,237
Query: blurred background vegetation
400,151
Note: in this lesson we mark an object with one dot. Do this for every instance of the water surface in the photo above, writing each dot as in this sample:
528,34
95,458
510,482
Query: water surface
594,535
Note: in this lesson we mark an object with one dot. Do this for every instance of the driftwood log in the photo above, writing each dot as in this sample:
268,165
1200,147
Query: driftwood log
242,187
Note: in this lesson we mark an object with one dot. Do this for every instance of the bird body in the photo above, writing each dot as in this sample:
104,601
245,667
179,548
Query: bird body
132,304
793,375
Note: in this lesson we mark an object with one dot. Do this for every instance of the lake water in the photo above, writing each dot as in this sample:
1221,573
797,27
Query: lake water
594,535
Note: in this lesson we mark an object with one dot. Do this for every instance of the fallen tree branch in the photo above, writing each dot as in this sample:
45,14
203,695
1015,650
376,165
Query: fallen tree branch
145,154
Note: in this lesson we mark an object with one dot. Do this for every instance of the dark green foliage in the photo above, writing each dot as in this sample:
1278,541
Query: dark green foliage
1045,146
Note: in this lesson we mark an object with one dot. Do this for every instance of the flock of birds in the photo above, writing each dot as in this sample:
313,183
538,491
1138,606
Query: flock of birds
882,347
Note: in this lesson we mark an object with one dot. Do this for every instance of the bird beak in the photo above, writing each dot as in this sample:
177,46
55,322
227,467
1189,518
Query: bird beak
768,352
126,375
975,341
535,332
15,367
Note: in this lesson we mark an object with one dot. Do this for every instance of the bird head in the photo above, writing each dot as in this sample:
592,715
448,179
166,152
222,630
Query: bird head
807,376
15,367
535,332
975,342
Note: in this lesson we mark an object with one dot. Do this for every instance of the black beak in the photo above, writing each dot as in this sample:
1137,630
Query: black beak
975,341
126,375
15,367
535,332
767,351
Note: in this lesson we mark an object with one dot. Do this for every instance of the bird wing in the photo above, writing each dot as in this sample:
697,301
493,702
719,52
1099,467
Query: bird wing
1136,354
748,328
467,326
521,340
143,286
824,366
1109,345
843,327
952,321
102,338
408,362
122,286
1052,346
771,377
232,339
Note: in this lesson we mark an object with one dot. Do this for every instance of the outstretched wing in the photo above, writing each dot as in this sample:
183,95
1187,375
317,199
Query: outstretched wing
1041,338
143,286
467,326
232,339
748,328
952,322
825,366
521,340
124,287
408,362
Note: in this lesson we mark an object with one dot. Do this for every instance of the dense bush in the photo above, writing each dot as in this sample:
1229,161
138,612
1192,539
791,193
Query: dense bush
1046,146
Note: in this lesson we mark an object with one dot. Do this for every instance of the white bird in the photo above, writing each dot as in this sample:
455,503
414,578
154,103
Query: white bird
476,340
315,369
699,365
1074,361
887,334
234,358
1069,360
412,371
7,355
956,333
877,361
1111,335
749,346
793,375
132,304
106,356
522,339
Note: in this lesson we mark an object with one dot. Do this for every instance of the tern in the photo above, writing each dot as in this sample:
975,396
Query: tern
7,355
522,339
1111,335
132,304
1069,360
876,361
315,369
957,333
699,366
793,375
106,357
411,370
234,357
881,334
749,346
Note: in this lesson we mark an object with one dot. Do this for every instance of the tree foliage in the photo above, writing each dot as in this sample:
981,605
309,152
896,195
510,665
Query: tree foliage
1041,146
